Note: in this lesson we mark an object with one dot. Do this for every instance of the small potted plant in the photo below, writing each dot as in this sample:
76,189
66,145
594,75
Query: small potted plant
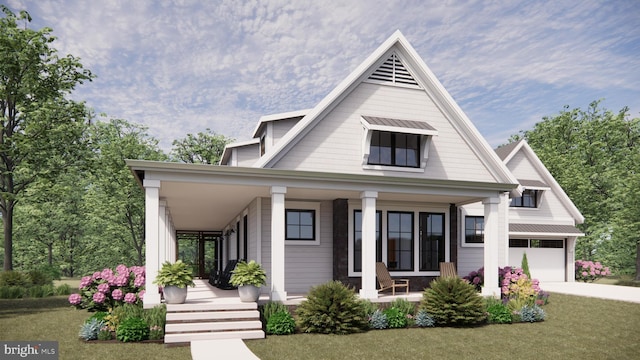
174,279
248,277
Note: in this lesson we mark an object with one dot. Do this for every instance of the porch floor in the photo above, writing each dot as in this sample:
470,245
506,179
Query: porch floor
204,293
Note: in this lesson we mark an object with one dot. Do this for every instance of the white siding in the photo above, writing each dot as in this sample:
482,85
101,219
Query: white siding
281,127
551,210
469,259
306,265
247,155
335,144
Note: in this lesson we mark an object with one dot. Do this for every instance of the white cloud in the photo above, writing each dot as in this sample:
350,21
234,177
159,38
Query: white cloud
183,66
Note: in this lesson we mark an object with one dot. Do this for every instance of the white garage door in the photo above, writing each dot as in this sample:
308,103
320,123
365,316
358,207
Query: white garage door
546,257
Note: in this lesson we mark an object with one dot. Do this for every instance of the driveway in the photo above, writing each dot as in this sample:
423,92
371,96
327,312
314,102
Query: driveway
609,292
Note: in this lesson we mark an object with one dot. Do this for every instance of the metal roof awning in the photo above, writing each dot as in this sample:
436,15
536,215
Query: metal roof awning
544,230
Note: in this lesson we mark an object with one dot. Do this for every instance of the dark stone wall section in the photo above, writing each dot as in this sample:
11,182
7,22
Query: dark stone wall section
453,233
341,244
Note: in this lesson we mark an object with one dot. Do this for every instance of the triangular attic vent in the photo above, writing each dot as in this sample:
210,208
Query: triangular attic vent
393,71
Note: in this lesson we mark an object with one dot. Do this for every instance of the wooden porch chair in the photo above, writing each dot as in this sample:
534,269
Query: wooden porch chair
448,269
386,282
221,279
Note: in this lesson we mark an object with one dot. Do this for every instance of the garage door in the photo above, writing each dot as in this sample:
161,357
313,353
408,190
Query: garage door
546,257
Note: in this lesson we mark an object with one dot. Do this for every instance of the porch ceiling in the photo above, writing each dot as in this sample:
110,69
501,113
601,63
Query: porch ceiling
212,206
205,197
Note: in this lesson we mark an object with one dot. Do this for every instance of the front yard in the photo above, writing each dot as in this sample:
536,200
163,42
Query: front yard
575,328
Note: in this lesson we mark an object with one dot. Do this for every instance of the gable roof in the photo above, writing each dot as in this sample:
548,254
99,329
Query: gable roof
396,44
548,181
505,150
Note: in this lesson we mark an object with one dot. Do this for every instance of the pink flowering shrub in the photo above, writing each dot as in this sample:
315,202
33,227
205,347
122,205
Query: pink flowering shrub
107,288
513,282
589,271
517,285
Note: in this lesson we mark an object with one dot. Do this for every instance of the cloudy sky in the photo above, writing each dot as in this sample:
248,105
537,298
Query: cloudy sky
180,66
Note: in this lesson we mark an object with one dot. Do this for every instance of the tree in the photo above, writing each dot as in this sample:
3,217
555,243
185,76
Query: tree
202,148
114,197
40,130
595,156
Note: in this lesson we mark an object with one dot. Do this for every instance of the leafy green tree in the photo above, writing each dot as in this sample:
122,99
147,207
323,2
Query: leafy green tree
595,156
202,148
52,221
40,130
115,199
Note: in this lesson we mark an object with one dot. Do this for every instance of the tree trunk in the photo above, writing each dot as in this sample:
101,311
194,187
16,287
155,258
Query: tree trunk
50,248
638,261
7,221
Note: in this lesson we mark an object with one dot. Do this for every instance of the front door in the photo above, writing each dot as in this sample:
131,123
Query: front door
432,241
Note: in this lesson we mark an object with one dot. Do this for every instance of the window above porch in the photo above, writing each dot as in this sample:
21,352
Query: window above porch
401,145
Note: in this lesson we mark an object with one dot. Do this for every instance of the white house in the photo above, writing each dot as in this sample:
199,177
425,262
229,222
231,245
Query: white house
387,168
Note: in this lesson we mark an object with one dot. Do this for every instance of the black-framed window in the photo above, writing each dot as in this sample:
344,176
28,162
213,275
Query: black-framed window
245,237
300,224
400,241
474,229
529,199
519,243
357,239
263,145
394,149
432,241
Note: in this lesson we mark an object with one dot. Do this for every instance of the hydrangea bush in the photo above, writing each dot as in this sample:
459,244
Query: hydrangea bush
513,282
588,271
107,288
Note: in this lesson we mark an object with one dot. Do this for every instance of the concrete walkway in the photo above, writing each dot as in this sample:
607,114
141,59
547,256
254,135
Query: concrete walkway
221,349
609,292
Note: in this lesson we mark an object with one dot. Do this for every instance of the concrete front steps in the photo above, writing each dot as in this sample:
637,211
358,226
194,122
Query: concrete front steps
212,321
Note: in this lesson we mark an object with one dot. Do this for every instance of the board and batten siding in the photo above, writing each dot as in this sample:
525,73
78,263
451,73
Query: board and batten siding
306,265
551,210
335,143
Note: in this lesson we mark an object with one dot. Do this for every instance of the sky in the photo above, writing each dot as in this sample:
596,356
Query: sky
180,66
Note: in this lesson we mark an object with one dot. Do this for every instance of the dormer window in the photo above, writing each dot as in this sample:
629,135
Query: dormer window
529,199
394,149
531,196
393,143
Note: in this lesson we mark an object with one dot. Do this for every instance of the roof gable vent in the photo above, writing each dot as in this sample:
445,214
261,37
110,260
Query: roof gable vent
393,71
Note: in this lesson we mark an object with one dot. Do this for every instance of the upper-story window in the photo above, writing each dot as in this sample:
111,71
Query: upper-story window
394,149
401,144
529,199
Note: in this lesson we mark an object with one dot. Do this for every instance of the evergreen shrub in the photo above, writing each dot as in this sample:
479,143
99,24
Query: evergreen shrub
453,301
332,308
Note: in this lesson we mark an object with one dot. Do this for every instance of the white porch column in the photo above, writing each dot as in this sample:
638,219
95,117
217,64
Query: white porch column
570,271
152,251
503,254
278,292
171,241
368,290
491,246
162,231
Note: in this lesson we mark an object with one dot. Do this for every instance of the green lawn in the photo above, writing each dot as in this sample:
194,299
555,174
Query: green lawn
55,320
576,328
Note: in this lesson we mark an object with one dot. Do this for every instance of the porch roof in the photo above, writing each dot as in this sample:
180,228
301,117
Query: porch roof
208,197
